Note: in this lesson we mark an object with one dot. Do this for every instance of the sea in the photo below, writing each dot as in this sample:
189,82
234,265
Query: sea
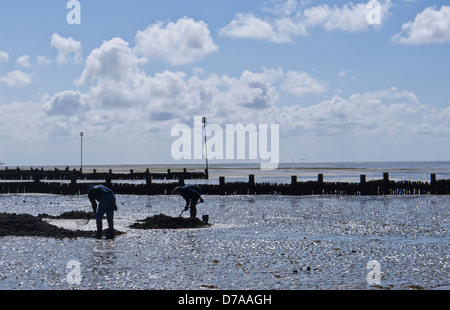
267,242
332,172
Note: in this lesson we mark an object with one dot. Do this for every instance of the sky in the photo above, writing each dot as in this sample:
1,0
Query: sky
344,81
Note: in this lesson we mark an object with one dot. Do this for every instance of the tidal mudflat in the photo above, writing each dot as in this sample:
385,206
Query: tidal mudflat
253,242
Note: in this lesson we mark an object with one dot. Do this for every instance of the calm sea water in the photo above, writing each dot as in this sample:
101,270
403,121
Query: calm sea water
255,242
332,172
335,172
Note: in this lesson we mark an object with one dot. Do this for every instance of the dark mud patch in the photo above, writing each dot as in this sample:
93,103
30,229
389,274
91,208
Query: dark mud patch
163,221
71,215
26,225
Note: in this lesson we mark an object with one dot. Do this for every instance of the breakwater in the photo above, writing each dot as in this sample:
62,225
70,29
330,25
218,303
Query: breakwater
74,182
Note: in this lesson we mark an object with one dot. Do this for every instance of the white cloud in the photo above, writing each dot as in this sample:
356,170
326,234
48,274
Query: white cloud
4,57
43,60
67,103
351,17
301,83
16,79
156,100
21,122
249,94
179,43
114,68
113,60
123,101
347,74
283,8
277,30
292,22
120,108
119,82
368,114
429,26
69,50
248,26
24,61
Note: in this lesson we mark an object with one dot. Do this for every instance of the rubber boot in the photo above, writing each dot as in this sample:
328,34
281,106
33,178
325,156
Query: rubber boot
110,231
98,235
193,211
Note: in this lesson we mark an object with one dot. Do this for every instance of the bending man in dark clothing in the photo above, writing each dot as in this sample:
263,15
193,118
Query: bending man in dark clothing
107,204
192,195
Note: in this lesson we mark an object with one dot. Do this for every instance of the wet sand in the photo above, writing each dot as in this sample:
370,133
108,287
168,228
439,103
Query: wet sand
254,242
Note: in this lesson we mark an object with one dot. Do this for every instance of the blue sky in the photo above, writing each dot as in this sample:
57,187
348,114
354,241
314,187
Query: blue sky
341,89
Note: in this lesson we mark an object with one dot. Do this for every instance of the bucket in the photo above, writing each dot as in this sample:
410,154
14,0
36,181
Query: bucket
205,218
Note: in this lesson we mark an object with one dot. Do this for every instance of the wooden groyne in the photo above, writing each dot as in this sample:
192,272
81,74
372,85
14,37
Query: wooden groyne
375,187
75,182
38,174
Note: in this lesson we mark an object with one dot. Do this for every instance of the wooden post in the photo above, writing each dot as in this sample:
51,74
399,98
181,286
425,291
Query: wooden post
433,189
362,184
108,180
320,178
386,186
251,184
362,178
433,177
293,179
251,179
36,179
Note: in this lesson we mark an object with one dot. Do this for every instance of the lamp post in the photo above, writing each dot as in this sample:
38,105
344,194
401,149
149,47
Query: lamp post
81,136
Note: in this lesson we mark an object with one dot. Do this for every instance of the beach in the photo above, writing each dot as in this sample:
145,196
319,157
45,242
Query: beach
254,242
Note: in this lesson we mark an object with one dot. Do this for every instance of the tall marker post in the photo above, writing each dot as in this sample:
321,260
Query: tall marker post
81,136
206,148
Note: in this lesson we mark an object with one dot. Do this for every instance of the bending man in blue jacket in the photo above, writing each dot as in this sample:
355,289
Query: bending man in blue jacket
192,195
107,204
